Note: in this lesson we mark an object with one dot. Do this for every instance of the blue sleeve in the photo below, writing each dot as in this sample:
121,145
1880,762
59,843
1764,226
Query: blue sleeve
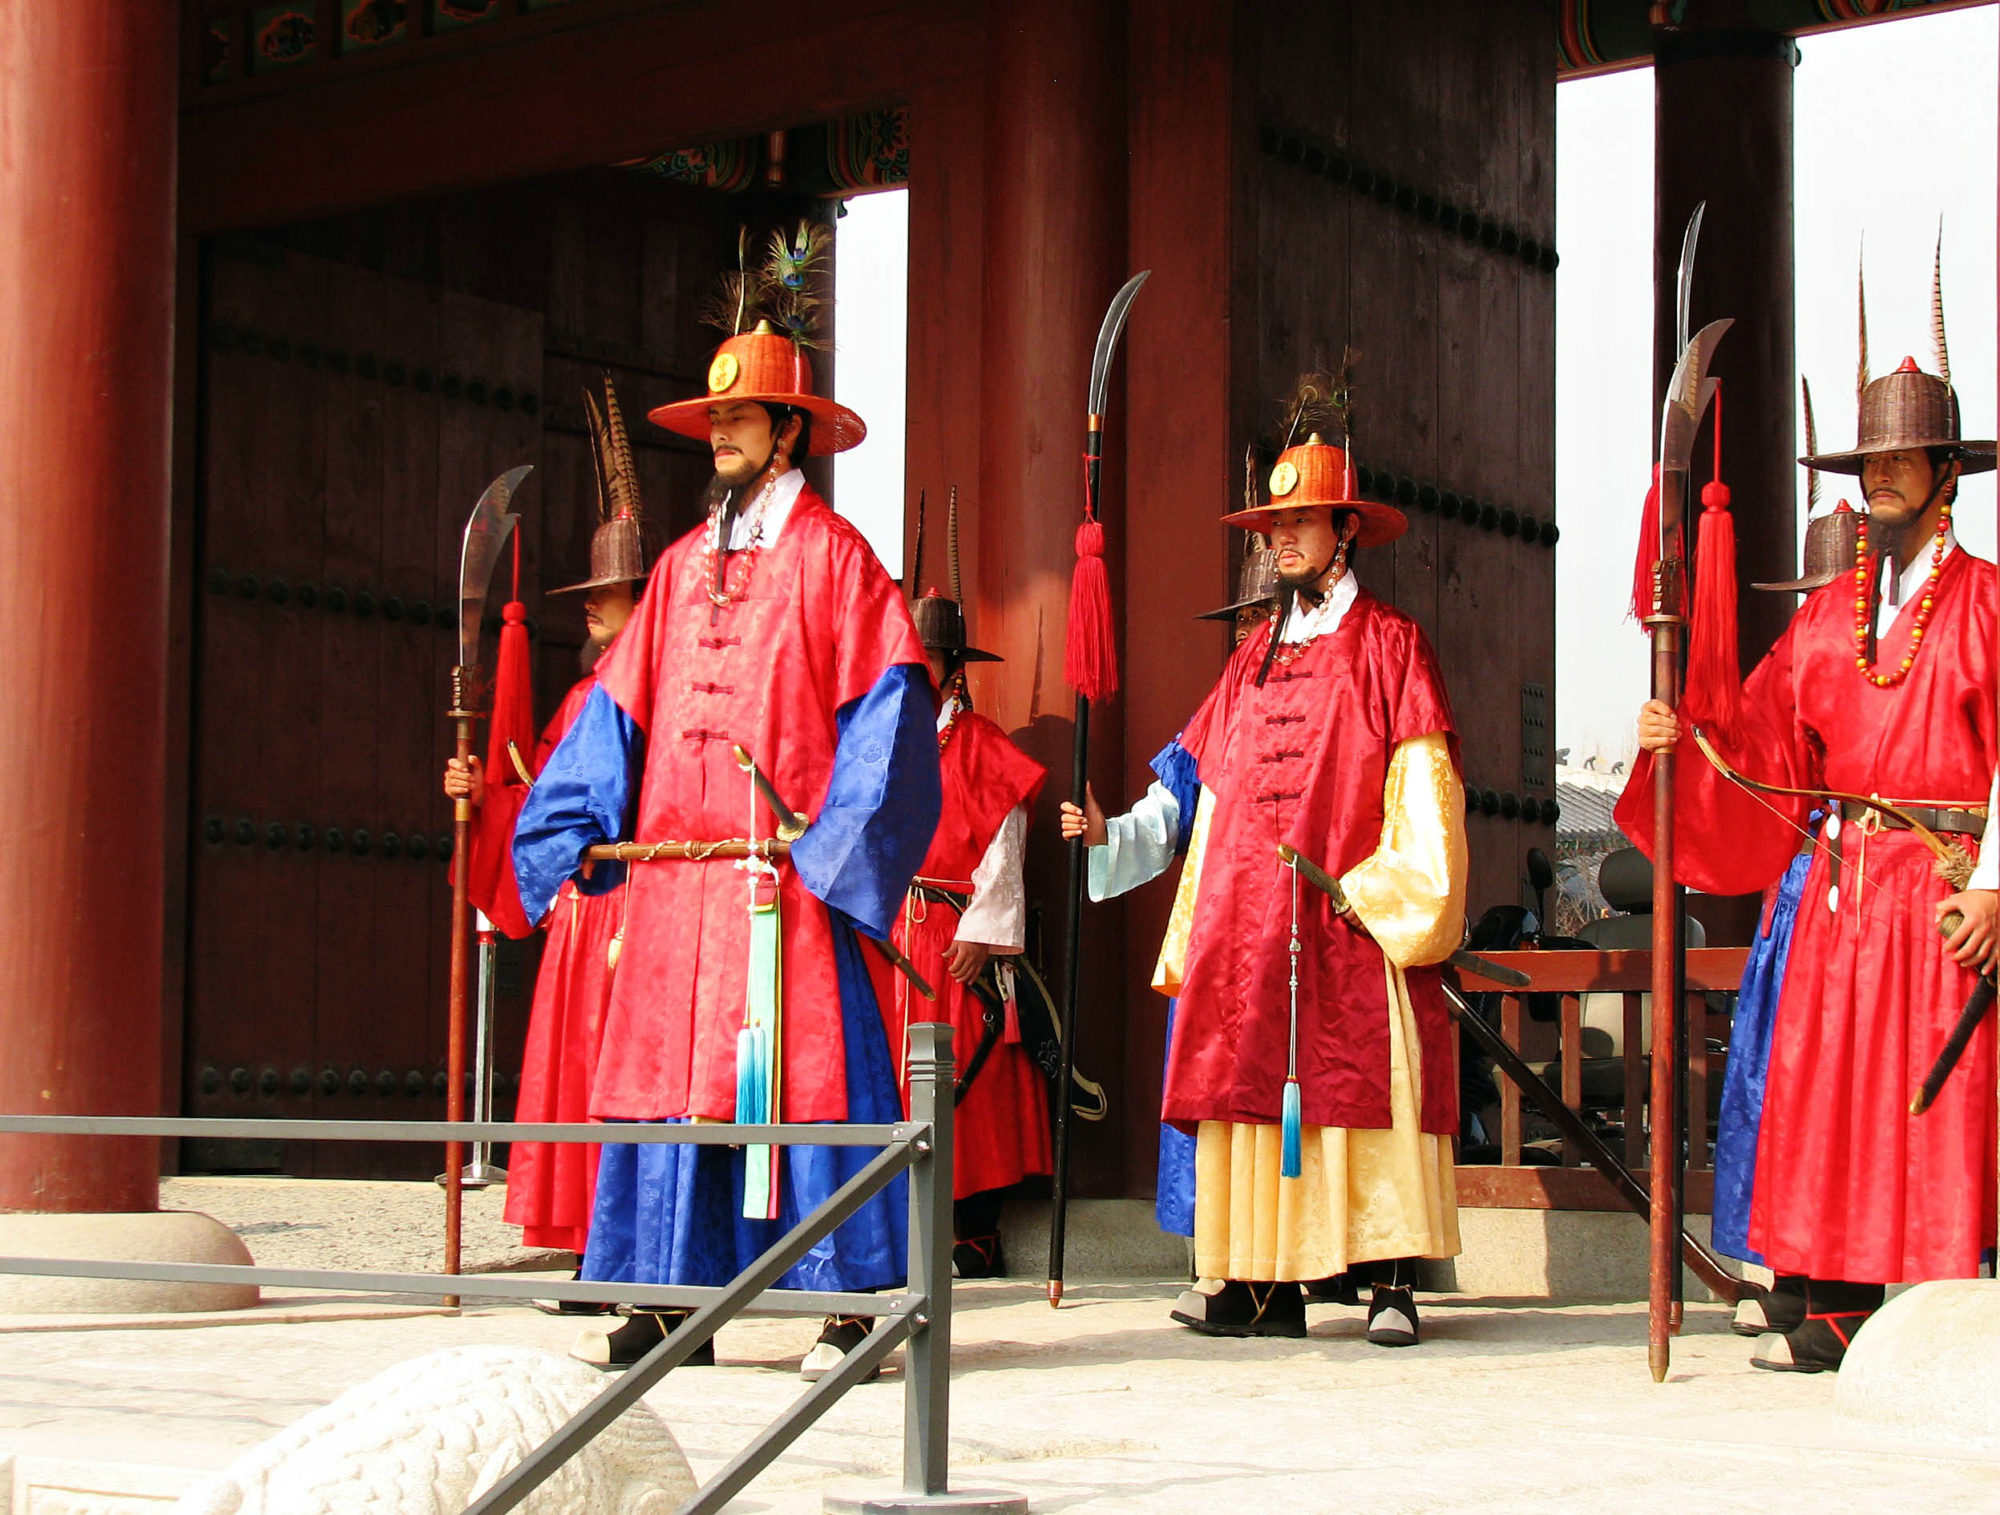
1174,767
882,805
582,797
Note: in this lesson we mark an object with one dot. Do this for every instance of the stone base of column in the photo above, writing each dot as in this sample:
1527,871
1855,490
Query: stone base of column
162,1236
1924,1363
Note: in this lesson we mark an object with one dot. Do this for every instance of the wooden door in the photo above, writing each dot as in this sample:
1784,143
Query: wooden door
349,420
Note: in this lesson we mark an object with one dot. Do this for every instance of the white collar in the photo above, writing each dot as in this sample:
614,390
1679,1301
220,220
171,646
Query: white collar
1910,578
949,710
1305,623
784,495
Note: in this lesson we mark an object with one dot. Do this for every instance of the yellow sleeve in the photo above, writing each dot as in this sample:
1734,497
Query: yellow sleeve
1173,949
1411,893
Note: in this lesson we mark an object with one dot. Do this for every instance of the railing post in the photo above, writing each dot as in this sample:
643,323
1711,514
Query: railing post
927,1367
927,1388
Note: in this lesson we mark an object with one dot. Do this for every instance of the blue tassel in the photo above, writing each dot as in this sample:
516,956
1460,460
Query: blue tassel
751,1096
1293,1162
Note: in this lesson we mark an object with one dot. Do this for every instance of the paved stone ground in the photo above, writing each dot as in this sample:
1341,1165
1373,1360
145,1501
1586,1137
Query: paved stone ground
1103,1406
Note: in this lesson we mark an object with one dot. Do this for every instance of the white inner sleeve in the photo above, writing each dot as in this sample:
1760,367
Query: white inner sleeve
998,913
1138,845
1986,872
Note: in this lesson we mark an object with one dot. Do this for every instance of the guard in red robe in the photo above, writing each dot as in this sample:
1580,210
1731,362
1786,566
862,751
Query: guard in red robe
1882,686
551,1186
772,628
1330,731
965,915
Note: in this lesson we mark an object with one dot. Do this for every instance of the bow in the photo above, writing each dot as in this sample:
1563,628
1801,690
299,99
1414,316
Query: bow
1952,863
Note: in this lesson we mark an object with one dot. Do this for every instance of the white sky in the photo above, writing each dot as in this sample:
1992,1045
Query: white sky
871,288
1894,124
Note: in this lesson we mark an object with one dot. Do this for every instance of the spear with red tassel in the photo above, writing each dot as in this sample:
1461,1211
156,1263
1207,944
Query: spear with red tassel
1090,667
1688,394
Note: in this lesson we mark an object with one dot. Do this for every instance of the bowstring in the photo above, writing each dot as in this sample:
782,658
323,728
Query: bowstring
1715,761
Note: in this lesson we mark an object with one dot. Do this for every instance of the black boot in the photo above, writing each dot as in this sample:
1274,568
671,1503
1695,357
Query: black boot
1392,1311
1243,1309
574,1306
975,1221
1835,1311
839,1335
642,1331
1781,1308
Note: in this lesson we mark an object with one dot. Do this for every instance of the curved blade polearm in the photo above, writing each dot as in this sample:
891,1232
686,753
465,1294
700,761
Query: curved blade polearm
485,534
1107,339
1684,283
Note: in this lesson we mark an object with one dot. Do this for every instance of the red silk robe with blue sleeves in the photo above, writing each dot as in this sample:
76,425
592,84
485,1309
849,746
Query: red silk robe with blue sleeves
818,624
1303,760
1849,1184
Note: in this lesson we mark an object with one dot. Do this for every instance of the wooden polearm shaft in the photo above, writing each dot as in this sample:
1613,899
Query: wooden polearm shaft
1667,627
462,717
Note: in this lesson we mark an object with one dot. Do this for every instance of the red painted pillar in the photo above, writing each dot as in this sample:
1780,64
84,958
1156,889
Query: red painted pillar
87,119
1055,149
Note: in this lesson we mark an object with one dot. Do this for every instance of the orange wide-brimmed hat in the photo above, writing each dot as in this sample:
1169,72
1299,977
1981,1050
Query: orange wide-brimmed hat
768,367
1316,473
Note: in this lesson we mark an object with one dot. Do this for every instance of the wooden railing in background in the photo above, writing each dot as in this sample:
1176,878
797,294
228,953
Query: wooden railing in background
1573,974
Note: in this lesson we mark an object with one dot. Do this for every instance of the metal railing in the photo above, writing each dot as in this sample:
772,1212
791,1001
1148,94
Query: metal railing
919,1316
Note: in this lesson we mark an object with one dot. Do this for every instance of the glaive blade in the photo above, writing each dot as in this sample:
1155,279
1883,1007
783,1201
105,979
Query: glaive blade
1107,339
1684,282
485,534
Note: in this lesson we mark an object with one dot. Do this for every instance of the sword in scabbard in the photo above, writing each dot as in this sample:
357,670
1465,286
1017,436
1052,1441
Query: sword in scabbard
1977,1007
1706,1265
1328,885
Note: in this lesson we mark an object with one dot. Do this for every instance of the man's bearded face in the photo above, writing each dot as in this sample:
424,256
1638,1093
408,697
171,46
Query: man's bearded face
1898,485
1305,540
739,435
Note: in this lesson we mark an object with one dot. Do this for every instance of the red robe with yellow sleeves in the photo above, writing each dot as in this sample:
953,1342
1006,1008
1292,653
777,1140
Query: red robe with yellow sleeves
1001,1130
1849,1184
1303,760
550,1186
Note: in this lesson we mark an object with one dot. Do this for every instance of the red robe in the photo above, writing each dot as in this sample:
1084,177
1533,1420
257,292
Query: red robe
1849,1184
1303,760
817,628
551,1186
1001,1130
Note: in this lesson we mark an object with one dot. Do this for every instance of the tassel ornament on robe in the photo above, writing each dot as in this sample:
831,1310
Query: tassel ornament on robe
1291,1163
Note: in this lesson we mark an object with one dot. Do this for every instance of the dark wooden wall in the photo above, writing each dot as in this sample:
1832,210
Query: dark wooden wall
362,379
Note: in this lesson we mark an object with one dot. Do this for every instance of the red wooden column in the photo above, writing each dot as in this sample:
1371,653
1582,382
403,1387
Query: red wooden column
1054,254
87,112
1723,133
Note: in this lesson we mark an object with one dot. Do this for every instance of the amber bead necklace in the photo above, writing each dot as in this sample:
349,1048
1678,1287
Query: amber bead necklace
1925,605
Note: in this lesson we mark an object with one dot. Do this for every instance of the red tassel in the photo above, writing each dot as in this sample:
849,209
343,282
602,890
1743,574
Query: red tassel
1714,676
1649,551
1090,658
513,721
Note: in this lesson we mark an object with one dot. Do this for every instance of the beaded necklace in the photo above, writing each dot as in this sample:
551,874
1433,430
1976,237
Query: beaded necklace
960,702
720,591
1925,606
